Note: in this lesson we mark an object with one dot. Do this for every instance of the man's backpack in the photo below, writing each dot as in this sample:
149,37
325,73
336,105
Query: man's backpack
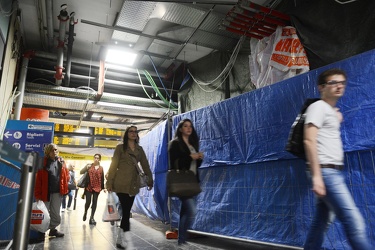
295,144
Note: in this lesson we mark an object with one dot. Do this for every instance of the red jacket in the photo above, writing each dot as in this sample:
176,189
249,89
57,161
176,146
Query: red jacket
41,181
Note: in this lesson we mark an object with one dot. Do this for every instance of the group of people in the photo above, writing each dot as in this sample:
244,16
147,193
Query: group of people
324,152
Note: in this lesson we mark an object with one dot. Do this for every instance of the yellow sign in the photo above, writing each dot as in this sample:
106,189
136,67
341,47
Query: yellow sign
71,129
106,143
89,158
107,131
72,141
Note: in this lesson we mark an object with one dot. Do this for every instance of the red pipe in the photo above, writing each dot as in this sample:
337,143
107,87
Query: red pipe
59,74
248,13
243,18
269,11
243,33
29,54
246,28
254,23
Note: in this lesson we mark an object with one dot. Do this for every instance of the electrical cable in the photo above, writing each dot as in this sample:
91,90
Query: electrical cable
228,67
140,79
157,73
153,84
226,71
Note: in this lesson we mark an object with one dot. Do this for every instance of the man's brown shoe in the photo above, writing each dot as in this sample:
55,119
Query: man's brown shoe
54,232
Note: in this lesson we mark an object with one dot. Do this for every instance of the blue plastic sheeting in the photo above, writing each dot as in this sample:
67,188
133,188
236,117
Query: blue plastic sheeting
154,203
252,188
272,201
9,189
254,127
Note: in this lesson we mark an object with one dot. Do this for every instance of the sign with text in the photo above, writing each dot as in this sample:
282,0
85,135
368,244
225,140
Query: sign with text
29,136
71,129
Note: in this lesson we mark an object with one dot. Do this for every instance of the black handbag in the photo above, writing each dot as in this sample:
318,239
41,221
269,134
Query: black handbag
182,183
83,182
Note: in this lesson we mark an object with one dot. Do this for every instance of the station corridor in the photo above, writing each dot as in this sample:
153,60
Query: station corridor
146,234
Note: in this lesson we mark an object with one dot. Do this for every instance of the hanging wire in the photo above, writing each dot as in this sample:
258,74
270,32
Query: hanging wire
155,87
226,71
140,79
88,86
157,73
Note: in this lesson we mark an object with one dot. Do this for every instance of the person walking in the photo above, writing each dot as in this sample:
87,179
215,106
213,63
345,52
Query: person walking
94,187
184,155
123,178
51,184
72,186
325,160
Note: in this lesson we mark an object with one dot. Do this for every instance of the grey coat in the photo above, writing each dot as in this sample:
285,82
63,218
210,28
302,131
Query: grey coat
122,174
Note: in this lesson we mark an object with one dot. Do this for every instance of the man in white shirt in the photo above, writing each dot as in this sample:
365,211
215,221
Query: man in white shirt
325,158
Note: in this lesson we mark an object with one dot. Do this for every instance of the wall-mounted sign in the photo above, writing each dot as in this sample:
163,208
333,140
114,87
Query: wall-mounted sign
29,136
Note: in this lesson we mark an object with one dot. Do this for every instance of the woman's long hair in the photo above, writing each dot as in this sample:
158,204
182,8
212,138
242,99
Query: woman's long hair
193,138
126,138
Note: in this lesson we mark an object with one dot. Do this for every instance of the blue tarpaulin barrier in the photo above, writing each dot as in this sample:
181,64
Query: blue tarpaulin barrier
154,203
252,188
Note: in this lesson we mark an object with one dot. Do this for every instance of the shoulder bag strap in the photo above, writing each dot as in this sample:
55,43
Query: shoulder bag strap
139,169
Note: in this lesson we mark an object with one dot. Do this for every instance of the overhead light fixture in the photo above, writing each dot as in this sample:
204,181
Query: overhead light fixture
120,57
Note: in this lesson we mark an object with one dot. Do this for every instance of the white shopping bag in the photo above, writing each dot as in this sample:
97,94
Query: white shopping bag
110,210
40,218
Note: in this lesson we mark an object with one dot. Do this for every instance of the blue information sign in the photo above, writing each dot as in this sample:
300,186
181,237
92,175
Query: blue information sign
29,136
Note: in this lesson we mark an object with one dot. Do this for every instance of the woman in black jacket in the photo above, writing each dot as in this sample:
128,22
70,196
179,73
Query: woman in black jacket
184,154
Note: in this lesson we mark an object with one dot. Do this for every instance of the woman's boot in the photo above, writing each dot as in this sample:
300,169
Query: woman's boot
119,241
128,240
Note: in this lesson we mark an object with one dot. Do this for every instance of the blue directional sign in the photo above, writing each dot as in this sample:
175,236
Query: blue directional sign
29,136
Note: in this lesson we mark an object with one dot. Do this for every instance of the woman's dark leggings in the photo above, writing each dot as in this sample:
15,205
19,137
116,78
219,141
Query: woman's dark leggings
88,202
126,204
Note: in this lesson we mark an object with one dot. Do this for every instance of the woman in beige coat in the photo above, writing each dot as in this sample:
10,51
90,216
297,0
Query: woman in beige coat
123,178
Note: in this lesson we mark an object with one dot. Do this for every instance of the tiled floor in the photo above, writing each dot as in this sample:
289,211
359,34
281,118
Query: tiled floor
146,235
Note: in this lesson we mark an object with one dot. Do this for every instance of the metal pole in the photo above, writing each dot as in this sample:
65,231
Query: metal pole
25,199
21,88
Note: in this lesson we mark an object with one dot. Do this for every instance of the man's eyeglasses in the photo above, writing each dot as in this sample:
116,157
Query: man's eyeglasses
133,131
335,83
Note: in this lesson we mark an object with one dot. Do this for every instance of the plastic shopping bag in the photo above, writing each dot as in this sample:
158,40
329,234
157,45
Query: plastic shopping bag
39,217
110,210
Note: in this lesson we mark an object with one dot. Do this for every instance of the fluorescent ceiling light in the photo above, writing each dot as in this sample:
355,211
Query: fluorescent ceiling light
120,57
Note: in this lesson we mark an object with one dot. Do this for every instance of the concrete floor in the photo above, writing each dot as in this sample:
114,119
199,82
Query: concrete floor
146,234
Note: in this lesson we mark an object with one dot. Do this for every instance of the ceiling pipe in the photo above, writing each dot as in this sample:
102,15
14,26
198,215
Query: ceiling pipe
49,11
72,22
21,86
243,33
114,82
83,93
268,11
251,21
63,18
245,28
102,107
85,62
261,17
